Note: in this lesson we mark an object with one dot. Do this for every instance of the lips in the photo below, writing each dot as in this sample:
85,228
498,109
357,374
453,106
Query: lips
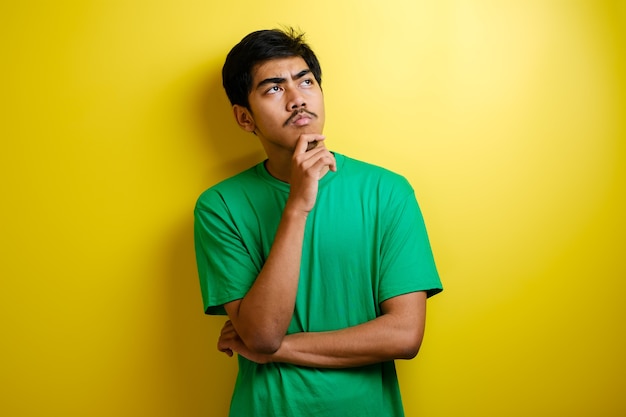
301,120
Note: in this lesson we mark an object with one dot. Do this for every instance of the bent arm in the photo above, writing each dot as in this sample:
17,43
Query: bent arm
396,334
262,317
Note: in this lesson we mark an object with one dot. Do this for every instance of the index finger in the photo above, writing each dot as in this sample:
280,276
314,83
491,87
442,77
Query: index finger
302,145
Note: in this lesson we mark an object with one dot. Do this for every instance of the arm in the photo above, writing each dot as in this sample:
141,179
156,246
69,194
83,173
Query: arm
396,334
262,317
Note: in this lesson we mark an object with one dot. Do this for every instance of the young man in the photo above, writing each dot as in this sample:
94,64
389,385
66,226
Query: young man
321,262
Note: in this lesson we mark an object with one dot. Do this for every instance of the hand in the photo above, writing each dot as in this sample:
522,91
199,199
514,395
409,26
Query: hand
311,161
229,342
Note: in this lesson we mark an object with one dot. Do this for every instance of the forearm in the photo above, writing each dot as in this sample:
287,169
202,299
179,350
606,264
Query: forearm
365,344
263,315
397,334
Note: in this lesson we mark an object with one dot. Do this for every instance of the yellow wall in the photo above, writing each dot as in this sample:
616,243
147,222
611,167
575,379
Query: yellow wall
508,117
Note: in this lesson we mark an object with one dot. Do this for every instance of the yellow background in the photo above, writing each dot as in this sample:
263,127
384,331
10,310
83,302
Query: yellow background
508,117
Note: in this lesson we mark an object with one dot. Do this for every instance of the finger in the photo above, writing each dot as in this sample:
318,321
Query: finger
302,145
317,143
228,327
326,161
333,165
309,157
228,335
333,162
316,158
222,346
225,350
225,344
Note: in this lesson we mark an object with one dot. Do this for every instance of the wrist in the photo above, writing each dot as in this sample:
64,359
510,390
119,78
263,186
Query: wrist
295,211
281,354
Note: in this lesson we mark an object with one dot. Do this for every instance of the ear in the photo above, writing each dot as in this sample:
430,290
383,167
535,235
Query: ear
244,118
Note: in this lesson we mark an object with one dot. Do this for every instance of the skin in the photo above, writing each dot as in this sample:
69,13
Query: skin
287,115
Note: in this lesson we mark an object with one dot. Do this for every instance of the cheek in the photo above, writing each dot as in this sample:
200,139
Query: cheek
321,112
266,116
272,123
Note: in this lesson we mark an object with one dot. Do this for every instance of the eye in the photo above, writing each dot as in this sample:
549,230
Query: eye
307,82
273,89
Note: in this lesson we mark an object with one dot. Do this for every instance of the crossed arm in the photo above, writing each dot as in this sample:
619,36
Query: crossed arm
396,334
258,322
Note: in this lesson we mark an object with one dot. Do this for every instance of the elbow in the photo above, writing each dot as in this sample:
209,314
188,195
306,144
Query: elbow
265,348
409,347
264,344
409,351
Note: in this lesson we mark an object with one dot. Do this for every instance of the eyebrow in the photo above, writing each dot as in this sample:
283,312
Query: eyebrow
280,80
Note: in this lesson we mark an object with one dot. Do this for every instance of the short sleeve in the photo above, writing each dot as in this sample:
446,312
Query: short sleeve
407,262
225,268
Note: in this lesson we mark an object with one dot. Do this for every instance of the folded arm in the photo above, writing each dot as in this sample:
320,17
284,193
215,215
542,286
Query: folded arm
396,334
263,315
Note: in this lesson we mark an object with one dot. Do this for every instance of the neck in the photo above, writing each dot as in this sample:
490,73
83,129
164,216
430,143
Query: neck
282,172
278,170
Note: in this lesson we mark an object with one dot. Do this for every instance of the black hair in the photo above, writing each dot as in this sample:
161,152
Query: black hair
257,47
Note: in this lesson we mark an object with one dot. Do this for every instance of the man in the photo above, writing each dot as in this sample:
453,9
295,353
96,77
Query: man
321,262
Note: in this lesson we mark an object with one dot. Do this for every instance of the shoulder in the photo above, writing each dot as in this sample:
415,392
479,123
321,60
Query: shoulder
367,169
375,176
228,189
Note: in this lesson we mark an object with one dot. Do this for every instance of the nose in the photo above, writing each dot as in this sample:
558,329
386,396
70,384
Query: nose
295,100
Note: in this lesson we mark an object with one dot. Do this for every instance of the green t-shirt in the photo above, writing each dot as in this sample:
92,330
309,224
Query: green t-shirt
365,241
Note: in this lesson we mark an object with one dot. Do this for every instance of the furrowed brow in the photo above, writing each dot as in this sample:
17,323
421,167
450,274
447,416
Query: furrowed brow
275,80
302,74
281,80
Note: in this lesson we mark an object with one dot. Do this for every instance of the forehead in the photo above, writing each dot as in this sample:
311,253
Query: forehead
278,68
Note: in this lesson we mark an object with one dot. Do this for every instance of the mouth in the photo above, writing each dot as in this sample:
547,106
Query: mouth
300,118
